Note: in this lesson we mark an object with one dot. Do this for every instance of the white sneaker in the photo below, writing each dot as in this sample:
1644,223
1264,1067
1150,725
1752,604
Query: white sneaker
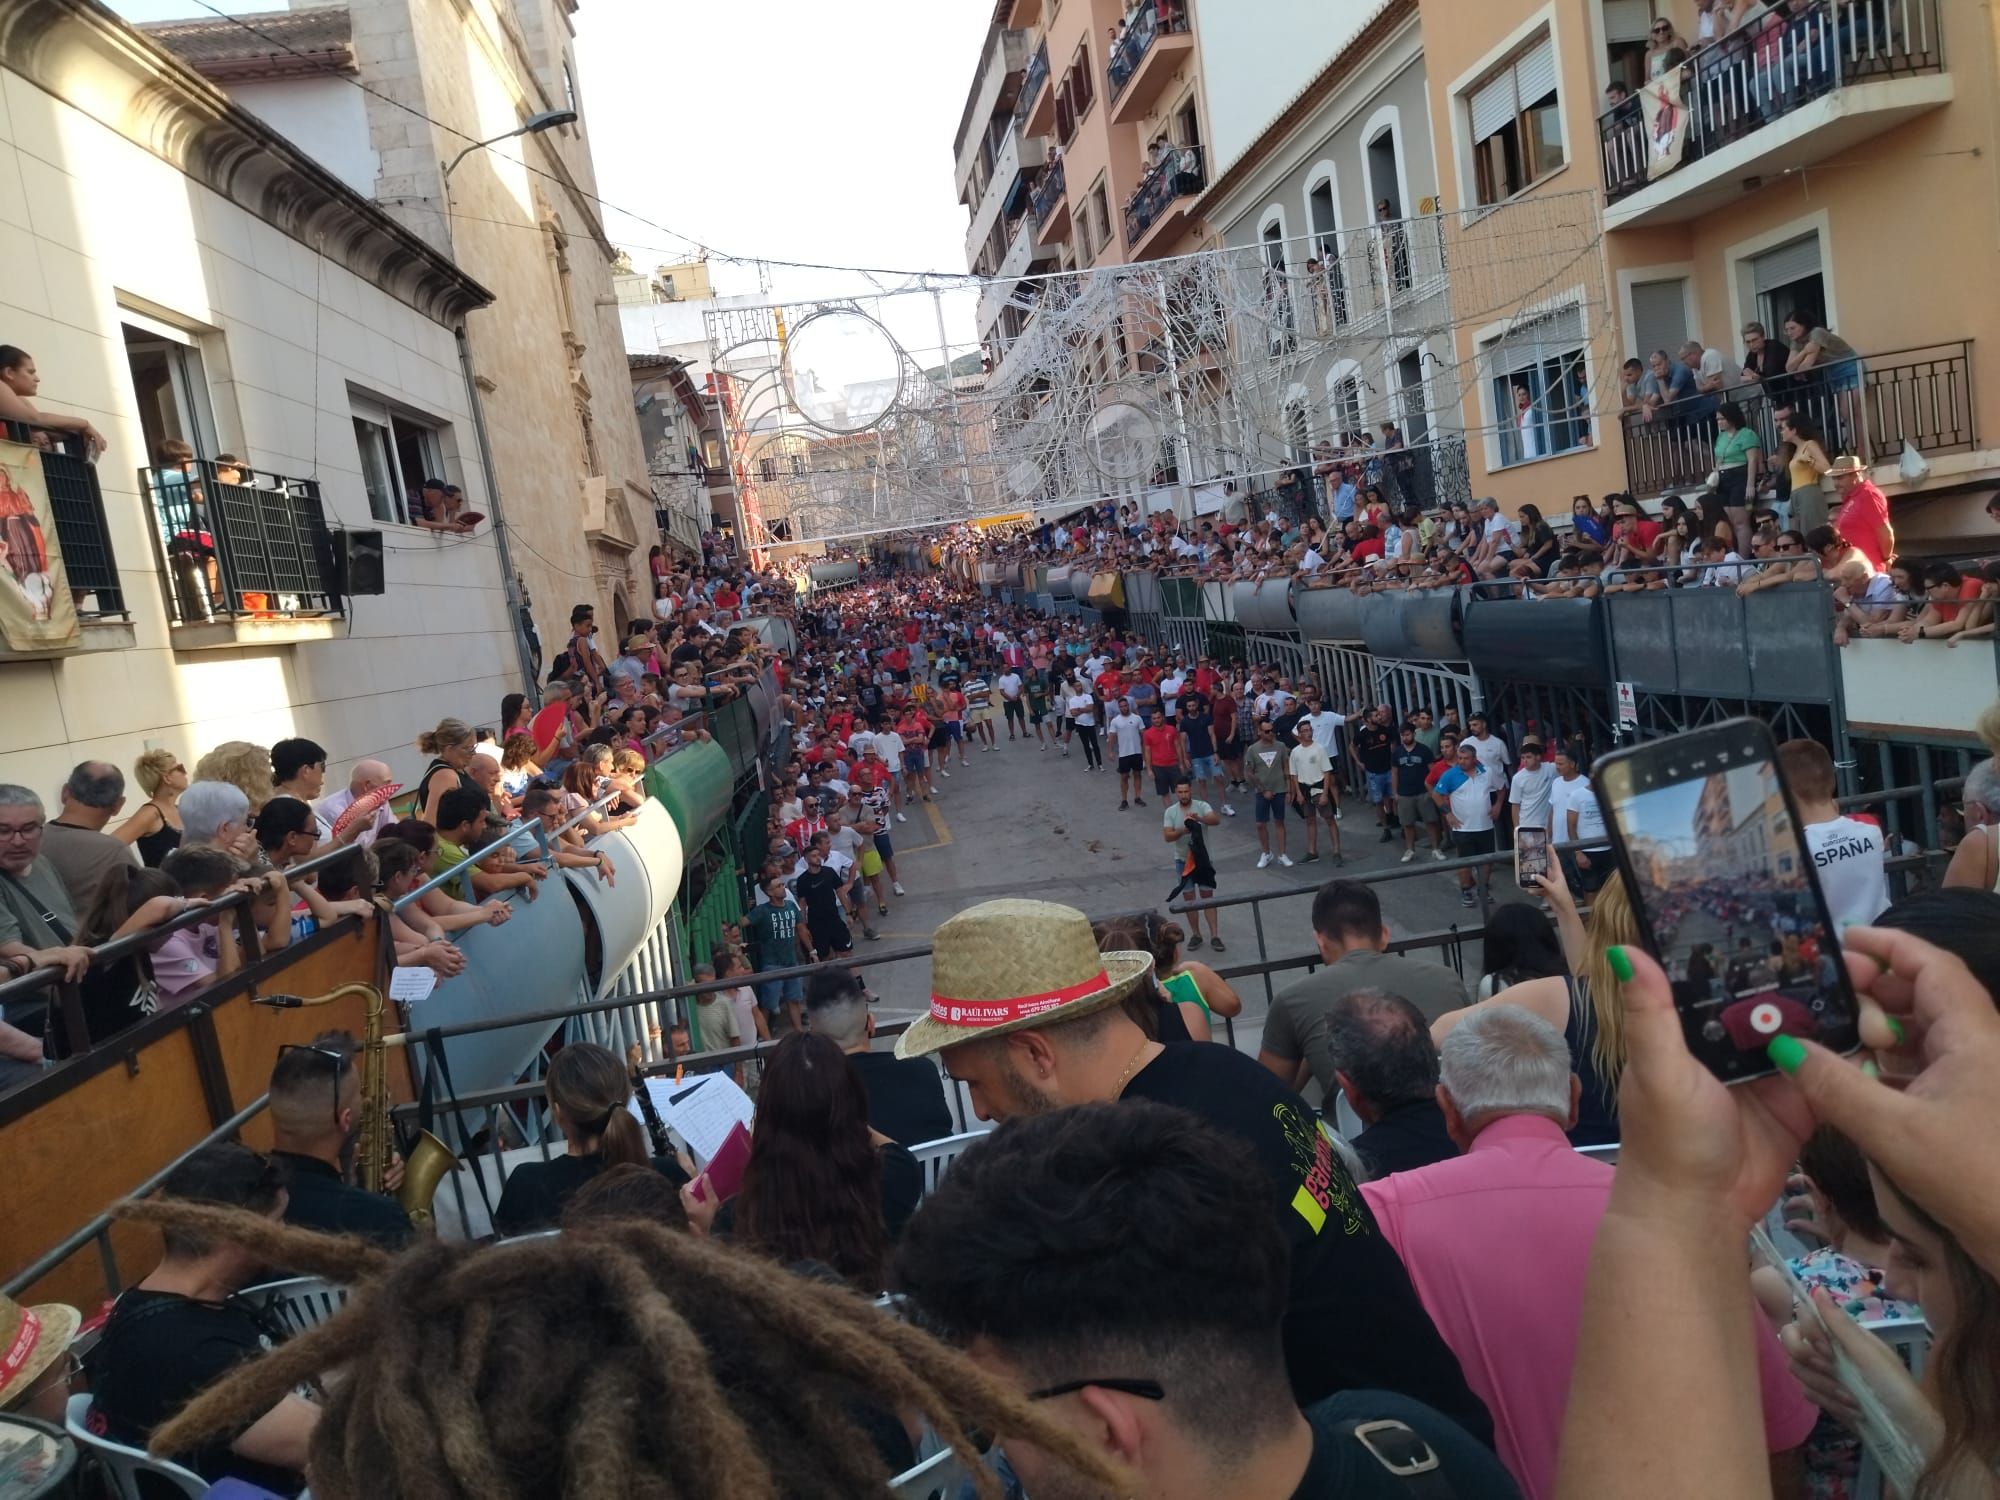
944,773
1437,854
897,887
1065,750
1408,855
901,819
1263,861
1228,811
1285,860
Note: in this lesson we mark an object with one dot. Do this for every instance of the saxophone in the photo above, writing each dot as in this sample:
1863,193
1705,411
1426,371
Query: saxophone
430,1158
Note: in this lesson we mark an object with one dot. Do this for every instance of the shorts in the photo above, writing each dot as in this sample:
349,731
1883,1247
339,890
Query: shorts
953,730
871,862
1378,786
883,847
902,675
834,939
1845,375
1204,768
1271,809
773,993
915,760
1164,778
1411,811
1131,765
1015,710
1471,843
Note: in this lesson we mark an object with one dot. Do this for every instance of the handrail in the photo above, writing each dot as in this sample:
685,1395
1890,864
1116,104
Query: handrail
514,831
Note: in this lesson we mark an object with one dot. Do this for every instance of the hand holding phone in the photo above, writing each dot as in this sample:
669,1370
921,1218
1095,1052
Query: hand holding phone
1725,894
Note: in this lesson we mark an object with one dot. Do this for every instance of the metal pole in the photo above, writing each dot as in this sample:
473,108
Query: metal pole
510,585
1183,453
957,424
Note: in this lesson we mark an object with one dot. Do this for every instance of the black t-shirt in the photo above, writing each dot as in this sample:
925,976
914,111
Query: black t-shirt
113,999
158,1350
1353,1321
1411,765
1405,1138
1371,747
905,1097
318,1199
1199,727
819,893
538,1191
1342,1468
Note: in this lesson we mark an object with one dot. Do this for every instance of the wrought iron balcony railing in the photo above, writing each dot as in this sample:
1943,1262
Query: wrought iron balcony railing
240,545
1177,175
1047,194
1136,40
1031,82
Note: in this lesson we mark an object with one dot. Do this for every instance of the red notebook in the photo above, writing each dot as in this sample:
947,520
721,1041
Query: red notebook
725,1169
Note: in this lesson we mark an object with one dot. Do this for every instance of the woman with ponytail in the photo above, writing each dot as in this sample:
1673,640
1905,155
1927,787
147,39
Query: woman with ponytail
588,1091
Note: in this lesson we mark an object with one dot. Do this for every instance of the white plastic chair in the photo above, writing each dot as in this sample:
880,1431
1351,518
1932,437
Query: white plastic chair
938,1477
299,1304
936,1157
124,1465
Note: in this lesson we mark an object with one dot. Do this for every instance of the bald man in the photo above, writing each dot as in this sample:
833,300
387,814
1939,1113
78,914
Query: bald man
367,776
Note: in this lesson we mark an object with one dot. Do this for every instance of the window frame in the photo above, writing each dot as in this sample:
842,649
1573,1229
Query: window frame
1480,186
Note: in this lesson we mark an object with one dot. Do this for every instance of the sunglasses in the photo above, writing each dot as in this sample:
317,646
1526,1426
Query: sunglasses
332,1055
1145,1390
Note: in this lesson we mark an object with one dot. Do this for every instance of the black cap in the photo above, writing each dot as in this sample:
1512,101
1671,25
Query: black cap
434,484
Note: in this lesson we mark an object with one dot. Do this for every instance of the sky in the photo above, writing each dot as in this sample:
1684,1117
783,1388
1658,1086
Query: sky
775,128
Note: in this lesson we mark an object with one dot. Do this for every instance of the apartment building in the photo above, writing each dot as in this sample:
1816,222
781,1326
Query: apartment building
1829,160
441,78
180,272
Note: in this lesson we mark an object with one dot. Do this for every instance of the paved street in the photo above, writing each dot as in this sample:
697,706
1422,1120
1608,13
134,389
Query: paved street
1025,822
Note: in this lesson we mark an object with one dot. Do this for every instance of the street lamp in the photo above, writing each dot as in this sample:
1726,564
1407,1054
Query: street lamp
548,119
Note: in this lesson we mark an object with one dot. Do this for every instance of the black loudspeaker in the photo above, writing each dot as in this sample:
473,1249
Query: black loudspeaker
357,563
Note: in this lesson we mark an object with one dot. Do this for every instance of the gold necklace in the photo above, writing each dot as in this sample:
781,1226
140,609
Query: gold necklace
1118,1088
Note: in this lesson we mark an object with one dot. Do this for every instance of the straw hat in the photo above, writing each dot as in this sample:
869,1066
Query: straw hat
1847,463
31,1339
1003,966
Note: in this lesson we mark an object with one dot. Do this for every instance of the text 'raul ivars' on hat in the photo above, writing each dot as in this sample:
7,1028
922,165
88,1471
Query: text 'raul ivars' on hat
1007,965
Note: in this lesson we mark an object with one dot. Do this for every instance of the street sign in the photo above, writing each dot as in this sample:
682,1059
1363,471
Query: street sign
1628,706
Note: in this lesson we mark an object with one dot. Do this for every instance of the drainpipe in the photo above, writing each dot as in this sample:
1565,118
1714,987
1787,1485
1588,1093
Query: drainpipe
509,582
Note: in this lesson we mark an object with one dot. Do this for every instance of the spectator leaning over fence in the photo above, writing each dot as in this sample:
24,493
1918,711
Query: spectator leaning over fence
421,938
19,384
178,1332
37,928
1352,940
75,842
216,814
1498,1241
1026,1011
1049,1253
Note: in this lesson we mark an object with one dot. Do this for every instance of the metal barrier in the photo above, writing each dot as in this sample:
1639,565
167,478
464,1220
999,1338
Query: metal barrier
76,505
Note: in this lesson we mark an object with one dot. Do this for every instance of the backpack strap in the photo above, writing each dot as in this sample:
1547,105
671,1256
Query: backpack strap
1402,1451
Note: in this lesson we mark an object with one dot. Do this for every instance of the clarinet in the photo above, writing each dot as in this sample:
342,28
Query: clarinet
655,1126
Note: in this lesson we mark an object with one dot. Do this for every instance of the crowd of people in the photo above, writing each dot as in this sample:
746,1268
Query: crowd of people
1423,1275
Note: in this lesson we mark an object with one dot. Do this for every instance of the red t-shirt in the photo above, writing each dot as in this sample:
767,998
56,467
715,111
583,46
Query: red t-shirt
1862,516
728,599
896,659
1206,680
1968,589
1163,746
1148,674
1110,683
801,830
1364,550
1645,533
840,725
911,630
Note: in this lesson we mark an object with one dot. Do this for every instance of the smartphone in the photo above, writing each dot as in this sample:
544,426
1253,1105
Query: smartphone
1726,895
1531,855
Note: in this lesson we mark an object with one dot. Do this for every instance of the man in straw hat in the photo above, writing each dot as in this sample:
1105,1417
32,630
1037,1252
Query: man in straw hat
1862,516
1028,1016
34,1357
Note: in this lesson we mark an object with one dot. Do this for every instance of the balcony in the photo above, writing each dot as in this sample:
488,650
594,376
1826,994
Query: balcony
76,505
1153,44
1049,205
1006,191
1156,212
1784,93
1023,255
1920,396
1032,84
246,556
1021,14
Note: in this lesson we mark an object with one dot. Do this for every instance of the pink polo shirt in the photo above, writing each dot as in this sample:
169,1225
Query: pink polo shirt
1498,1242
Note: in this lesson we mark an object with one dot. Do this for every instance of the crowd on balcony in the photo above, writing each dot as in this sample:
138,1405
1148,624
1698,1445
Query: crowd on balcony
1456,1292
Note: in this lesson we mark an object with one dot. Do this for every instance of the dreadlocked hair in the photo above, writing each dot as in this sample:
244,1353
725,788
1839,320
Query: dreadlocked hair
534,1368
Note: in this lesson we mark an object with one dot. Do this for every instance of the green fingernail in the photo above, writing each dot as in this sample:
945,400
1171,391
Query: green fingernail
1895,1029
1869,1070
1788,1052
1621,963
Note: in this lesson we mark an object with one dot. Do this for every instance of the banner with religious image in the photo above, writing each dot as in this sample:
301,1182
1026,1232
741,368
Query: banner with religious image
36,611
1666,122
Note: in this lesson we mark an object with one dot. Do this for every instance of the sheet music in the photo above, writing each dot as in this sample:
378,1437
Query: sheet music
703,1110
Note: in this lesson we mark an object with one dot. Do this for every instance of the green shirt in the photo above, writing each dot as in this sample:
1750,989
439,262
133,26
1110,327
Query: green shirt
773,933
24,898
450,856
1733,449
1266,766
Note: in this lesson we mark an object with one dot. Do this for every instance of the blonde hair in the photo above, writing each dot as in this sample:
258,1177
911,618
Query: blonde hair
245,766
1988,729
151,769
627,761
448,733
1611,924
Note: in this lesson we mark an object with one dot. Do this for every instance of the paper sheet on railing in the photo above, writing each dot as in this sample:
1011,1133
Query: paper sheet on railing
702,1111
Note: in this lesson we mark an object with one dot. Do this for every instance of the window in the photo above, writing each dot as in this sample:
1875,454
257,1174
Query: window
1659,316
1075,94
1516,121
398,453
1540,387
1416,408
767,470
569,85
711,453
1100,211
171,386
1788,279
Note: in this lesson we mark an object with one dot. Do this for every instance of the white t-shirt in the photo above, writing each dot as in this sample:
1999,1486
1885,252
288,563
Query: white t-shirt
1272,703
1083,710
1309,764
1566,797
1712,363
889,745
1848,854
1325,724
1010,684
1503,529
1492,753
1471,801
1530,792
861,742
1170,690
1128,730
